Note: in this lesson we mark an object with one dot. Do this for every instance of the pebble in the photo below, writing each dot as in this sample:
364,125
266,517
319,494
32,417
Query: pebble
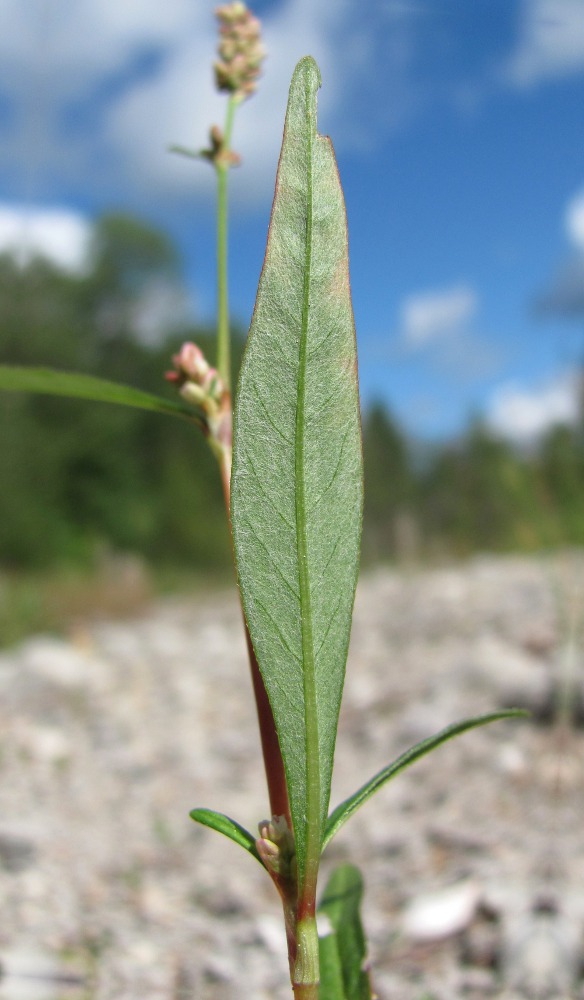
106,744
18,850
441,914
32,974
60,662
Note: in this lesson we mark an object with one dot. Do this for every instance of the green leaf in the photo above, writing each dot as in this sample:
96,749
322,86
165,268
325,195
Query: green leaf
342,948
228,827
297,470
345,810
54,383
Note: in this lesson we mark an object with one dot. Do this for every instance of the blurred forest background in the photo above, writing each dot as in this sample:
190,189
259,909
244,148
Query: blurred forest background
102,505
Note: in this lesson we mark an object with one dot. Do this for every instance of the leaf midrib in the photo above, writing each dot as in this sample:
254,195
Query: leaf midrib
312,845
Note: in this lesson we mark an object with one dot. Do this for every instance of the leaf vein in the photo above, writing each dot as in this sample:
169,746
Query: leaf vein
278,632
318,413
268,415
329,626
318,347
335,473
273,561
268,497
329,560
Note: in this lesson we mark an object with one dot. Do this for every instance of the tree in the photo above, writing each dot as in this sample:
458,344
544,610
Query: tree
80,474
389,484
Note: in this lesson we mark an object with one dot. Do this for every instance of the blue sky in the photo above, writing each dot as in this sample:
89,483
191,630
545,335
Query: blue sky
459,130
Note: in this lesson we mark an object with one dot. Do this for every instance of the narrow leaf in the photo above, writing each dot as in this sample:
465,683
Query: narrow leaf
73,384
228,827
345,810
297,476
342,948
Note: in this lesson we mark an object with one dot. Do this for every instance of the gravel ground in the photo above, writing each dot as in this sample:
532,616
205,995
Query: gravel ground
473,859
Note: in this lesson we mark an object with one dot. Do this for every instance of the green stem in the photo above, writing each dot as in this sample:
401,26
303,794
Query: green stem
305,978
222,167
306,992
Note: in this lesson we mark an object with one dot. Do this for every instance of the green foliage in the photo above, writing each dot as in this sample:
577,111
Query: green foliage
296,485
342,948
478,494
389,483
561,484
78,476
473,494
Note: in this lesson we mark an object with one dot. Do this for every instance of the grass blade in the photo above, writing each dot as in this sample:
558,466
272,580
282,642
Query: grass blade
345,810
54,383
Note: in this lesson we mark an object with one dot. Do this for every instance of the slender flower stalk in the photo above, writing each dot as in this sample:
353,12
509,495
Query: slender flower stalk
222,165
241,54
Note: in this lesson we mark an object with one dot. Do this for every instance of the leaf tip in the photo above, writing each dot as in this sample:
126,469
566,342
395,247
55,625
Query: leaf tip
307,68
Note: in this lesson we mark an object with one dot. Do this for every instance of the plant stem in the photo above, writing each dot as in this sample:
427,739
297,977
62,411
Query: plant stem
273,763
305,979
222,166
306,991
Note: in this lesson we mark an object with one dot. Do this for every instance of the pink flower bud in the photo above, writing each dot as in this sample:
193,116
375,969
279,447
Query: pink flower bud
240,49
190,362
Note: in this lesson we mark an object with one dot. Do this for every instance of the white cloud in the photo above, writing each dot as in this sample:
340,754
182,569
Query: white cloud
73,45
179,103
162,306
430,316
60,235
524,414
551,42
575,220
97,91
564,295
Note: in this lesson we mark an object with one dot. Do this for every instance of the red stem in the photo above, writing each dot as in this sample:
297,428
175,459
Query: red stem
273,763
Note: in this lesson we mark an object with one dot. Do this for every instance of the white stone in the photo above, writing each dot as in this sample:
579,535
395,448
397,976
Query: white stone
46,743
60,663
443,913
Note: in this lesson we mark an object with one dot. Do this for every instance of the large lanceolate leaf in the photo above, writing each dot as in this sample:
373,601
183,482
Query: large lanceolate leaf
297,472
73,384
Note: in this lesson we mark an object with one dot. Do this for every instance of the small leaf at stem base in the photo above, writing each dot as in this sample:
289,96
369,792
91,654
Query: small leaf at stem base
229,828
